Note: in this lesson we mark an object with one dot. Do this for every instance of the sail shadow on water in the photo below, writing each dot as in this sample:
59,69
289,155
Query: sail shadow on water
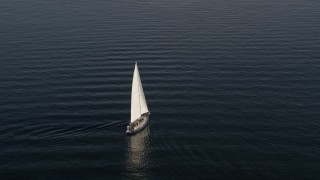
138,155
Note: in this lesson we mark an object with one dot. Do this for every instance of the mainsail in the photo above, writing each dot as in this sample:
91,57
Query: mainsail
138,101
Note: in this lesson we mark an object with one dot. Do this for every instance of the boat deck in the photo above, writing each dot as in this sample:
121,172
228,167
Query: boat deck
138,124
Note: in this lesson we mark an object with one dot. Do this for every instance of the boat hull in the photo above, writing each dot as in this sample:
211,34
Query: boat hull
140,127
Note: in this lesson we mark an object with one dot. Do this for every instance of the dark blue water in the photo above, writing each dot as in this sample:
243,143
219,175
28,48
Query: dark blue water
233,88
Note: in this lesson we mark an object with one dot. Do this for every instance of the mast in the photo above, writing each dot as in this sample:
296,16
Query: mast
138,100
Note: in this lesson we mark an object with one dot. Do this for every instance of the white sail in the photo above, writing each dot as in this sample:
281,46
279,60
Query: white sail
138,101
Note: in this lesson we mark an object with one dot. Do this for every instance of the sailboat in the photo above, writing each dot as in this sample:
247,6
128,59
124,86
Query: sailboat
139,109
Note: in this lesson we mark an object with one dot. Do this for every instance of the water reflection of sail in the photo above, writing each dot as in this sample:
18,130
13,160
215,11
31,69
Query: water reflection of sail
138,155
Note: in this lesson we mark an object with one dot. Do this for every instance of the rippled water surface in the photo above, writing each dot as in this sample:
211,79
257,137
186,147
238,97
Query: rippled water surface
233,88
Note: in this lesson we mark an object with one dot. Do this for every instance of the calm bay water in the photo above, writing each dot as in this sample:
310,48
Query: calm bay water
233,88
